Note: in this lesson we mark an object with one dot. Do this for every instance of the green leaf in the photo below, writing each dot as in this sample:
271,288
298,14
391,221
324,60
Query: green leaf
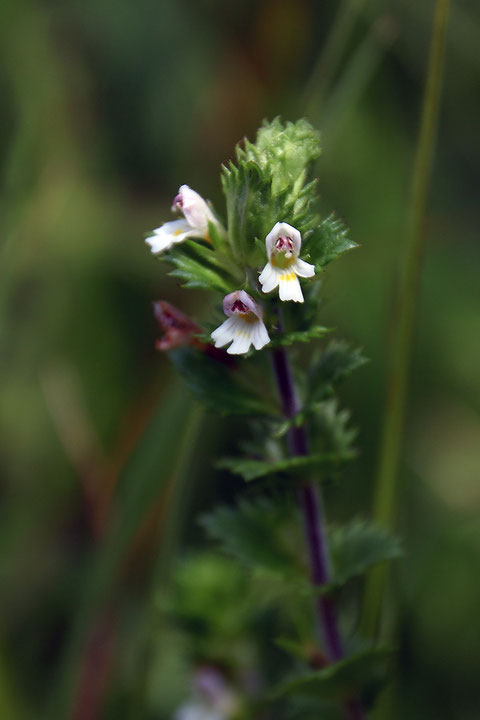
288,338
293,647
332,431
197,272
247,191
257,533
217,236
255,469
326,242
336,362
287,150
206,594
270,184
358,546
216,385
301,708
363,672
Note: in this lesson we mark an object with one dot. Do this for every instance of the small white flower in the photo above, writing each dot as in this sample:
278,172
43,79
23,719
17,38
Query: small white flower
197,711
196,214
212,698
244,324
284,267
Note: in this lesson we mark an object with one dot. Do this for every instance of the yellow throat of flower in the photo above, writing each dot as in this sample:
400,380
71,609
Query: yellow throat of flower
281,261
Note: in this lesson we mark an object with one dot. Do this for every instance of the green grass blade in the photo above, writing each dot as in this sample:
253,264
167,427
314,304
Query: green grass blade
390,448
146,476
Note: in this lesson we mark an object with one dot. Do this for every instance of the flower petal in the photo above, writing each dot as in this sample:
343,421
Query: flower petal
196,211
289,287
260,335
303,269
168,234
224,333
243,339
269,278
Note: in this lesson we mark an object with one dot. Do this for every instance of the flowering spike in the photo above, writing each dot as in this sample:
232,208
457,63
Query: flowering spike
244,324
197,215
284,267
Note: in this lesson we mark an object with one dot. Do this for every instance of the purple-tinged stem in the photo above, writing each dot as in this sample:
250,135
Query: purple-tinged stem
314,521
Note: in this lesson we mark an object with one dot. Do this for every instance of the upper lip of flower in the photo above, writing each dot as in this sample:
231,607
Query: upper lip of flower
194,208
177,203
283,239
240,303
284,244
239,307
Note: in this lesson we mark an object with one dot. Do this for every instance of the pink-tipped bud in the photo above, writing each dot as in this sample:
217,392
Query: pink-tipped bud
178,329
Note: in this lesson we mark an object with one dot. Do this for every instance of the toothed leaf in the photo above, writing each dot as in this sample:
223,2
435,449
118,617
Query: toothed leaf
288,338
364,672
198,268
359,546
255,532
336,362
215,384
326,242
298,466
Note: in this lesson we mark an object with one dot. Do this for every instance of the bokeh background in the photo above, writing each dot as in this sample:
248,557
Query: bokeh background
107,107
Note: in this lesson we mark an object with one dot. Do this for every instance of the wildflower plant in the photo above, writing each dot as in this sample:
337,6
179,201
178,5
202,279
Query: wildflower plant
273,361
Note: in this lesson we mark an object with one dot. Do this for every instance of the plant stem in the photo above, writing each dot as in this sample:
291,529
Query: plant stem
387,479
314,521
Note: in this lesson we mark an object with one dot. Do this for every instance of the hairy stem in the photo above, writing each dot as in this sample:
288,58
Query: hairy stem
314,521
387,479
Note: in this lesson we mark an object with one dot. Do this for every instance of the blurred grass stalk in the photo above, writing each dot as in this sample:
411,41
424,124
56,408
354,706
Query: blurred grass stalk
10,702
329,60
169,539
404,315
332,90
356,77
153,474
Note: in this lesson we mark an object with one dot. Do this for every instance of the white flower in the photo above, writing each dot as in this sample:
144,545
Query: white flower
284,267
212,698
197,215
197,711
244,324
